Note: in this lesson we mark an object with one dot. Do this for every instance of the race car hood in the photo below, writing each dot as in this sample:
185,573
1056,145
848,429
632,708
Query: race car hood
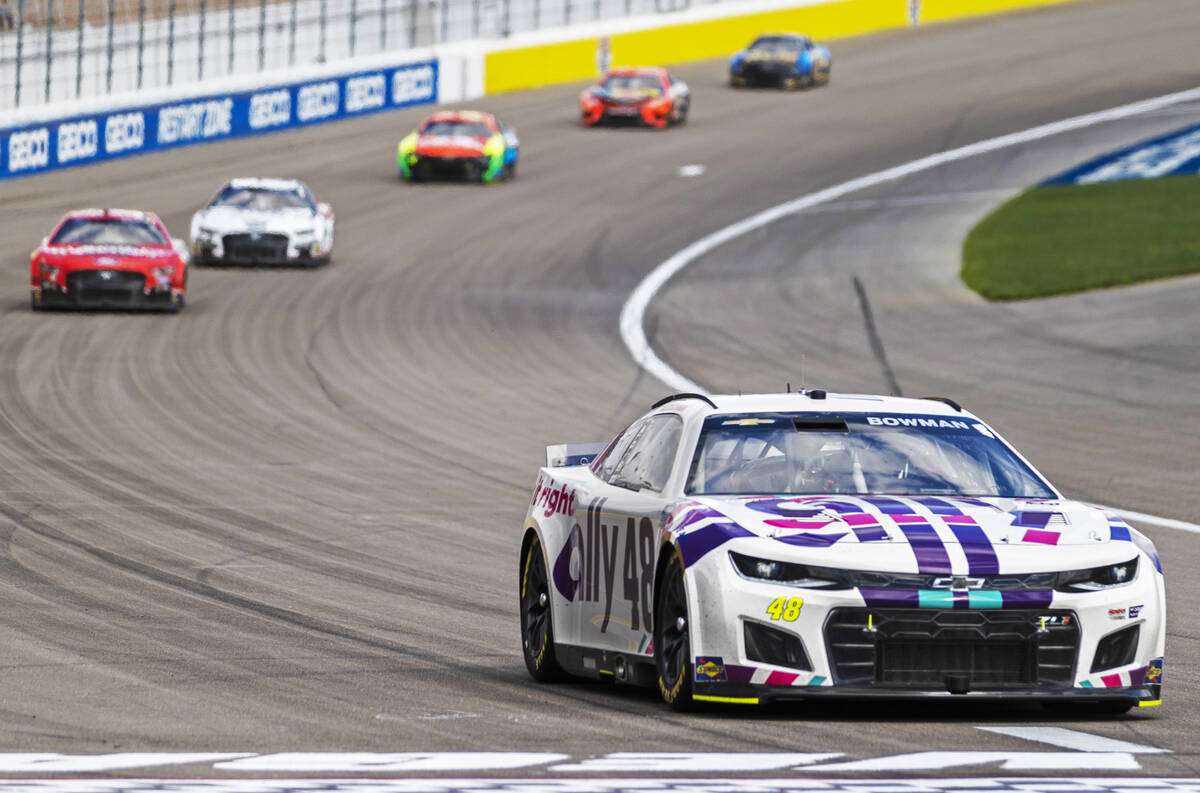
450,146
226,220
107,257
865,532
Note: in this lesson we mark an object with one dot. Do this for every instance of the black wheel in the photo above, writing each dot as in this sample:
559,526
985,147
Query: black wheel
682,114
537,629
672,649
35,303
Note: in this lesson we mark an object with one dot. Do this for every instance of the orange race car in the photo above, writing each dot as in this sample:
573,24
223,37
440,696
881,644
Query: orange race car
643,95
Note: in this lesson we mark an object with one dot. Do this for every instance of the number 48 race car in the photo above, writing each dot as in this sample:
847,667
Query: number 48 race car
751,549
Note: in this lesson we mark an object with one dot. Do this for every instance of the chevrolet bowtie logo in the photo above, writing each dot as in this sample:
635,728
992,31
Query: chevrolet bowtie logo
958,583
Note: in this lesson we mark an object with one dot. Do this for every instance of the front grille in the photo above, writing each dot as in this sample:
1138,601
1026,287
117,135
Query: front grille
766,69
105,286
256,247
956,650
1012,582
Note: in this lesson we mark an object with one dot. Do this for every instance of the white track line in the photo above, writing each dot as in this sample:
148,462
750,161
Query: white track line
633,313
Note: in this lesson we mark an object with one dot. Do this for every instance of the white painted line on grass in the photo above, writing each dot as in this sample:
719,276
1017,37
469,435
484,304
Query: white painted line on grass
1074,739
633,313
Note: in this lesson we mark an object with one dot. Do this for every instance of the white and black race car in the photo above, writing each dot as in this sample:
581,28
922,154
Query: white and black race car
263,221
747,549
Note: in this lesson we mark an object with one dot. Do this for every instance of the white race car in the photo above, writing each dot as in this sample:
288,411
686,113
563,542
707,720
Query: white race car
263,221
747,549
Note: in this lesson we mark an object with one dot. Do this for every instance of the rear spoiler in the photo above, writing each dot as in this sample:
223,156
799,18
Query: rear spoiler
564,454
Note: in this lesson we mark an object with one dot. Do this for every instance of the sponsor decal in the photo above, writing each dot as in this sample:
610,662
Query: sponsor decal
124,132
414,84
917,421
365,93
551,498
1154,672
1134,611
271,109
586,568
205,120
710,669
1177,152
751,422
74,141
1053,620
29,149
319,100
1116,614
78,140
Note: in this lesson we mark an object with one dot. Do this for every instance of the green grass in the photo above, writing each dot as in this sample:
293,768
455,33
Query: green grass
1062,239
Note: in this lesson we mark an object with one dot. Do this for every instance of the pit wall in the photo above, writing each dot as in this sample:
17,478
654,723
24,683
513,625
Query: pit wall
51,137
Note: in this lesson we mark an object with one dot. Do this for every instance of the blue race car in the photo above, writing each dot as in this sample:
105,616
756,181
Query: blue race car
789,60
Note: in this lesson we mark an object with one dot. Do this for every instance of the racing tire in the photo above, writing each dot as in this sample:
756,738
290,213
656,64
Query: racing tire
537,626
682,114
672,647
510,171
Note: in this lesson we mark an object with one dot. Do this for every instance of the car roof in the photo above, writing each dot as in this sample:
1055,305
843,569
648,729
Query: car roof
462,115
799,36
266,184
638,71
126,214
811,401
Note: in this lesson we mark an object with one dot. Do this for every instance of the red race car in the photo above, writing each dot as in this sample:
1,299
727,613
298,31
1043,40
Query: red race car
109,258
645,94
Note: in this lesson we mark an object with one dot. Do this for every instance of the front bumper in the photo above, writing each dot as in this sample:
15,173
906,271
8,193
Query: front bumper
752,694
256,248
107,290
1042,645
764,72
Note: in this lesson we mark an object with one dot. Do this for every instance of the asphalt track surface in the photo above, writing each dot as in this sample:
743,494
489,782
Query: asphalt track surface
287,519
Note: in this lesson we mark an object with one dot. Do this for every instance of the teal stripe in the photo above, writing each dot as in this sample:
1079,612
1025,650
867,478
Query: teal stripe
985,600
935,599
1085,684
817,680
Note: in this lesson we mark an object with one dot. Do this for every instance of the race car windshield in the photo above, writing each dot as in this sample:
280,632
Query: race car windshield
261,199
632,85
777,43
107,231
467,129
885,454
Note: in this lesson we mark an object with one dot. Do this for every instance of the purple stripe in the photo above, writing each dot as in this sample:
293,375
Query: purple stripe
872,533
890,506
694,545
981,556
1033,599
938,506
927,547
738,674
808,540
885,598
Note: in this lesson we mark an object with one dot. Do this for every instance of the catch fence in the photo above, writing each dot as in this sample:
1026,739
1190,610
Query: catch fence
62,50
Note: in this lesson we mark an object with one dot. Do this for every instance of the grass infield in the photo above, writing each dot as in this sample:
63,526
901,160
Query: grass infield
1061,239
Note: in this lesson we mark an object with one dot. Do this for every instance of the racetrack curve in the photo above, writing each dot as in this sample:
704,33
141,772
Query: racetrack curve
287,519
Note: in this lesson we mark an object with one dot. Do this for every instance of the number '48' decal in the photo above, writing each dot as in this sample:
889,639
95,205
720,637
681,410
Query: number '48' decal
786,609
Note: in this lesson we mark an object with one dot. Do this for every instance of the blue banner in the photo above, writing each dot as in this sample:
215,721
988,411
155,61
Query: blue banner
80,140
1167,155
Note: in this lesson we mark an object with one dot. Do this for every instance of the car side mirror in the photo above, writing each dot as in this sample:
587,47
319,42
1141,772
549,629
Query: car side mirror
324,209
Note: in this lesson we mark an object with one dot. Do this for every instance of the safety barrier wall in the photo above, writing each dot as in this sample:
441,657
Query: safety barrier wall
54,137
515,67
124,131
